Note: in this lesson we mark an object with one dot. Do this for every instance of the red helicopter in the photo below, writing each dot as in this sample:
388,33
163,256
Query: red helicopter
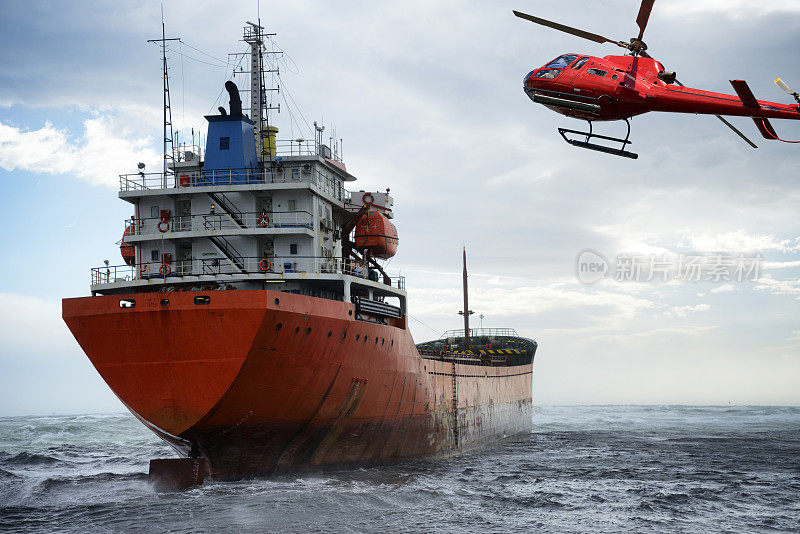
620,87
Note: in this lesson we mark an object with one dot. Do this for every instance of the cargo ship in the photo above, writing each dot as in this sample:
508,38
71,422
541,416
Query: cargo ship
253,326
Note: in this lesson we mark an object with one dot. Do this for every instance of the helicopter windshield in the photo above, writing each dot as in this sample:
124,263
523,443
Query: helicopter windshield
561,61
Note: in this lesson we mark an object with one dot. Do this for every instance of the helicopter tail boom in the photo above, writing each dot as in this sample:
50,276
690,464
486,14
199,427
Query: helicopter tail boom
749,101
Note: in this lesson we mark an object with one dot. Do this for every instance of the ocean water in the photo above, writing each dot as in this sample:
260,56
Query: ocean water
583,469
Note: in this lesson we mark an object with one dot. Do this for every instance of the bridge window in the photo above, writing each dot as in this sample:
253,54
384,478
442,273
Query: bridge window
597,72
154,255
561,61
293,248
224,143
580,63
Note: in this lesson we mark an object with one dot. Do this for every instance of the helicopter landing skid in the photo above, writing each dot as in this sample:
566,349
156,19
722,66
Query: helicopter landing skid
599,148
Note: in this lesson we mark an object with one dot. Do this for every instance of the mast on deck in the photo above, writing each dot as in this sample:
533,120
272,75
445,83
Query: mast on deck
466,312
259,105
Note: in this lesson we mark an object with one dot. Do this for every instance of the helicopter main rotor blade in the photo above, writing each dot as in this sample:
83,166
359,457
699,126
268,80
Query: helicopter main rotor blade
568,29
644,16
729,125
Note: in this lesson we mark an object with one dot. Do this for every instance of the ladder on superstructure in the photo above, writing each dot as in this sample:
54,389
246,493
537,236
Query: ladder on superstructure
455,403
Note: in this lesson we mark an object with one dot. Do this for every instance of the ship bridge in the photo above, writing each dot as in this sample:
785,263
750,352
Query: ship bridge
248,210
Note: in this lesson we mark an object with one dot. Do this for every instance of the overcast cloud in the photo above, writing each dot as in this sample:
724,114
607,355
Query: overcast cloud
428,99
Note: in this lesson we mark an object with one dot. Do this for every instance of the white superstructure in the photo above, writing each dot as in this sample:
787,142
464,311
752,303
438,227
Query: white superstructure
254,213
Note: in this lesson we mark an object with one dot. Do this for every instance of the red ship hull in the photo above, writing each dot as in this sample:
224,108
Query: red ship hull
264,381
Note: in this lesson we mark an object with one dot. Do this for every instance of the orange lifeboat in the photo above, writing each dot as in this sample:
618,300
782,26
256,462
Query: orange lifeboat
127,250
376,233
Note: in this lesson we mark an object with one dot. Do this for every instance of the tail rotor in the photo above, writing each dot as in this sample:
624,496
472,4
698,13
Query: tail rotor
786,89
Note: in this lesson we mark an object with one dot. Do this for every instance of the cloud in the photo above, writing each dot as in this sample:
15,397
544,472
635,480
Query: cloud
767,265
683,311
724,288
561,305
735,9
737,241
779,287
439,116
104,148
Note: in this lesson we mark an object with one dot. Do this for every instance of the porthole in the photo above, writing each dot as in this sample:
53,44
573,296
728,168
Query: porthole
330,333
365,339
358,336
392,343
165,302
344,335
349,312
376,341
297,329
277,302
278,326
308,330
382,341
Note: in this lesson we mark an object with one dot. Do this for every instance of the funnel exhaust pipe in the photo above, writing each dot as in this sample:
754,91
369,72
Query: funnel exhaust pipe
235,100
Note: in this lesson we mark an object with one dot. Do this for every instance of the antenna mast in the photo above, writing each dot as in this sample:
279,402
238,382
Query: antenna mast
259,107
169,157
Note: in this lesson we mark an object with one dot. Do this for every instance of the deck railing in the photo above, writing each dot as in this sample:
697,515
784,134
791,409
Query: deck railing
174,271
231,177
481,332
219,221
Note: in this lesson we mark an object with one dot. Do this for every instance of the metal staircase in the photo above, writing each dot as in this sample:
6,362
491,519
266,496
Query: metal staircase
228,207
229,251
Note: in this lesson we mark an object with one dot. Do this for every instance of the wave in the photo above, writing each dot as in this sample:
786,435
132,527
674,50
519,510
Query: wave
26,458
56,482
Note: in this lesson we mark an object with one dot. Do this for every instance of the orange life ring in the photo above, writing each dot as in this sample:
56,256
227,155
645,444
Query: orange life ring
263,220
364,198
265,265
165,269
164,228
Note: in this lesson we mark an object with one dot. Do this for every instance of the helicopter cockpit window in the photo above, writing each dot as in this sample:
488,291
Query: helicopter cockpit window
561,62
597,72
580,63
548,74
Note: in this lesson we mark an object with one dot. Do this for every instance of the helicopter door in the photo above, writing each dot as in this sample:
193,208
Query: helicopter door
568,74
601,78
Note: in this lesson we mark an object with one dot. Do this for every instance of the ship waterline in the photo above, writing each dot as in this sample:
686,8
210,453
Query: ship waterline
263,381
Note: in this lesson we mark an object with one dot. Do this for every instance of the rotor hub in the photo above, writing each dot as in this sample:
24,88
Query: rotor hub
637,46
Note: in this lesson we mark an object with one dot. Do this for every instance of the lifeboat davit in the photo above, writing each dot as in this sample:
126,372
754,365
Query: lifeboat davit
127,250
376,233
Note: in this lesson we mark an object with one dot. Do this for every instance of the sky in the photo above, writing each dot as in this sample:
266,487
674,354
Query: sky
427,97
